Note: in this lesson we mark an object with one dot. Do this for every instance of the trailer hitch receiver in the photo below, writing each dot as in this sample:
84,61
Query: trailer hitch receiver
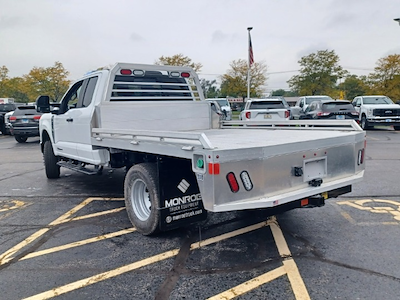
315,182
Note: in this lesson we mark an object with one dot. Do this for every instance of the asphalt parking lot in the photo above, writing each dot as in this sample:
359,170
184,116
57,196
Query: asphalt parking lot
71,239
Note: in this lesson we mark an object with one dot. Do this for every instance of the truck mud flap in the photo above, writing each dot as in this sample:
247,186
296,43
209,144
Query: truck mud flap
180,198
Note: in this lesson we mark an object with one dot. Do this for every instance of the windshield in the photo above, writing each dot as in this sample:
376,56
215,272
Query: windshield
311,99
377,100
223,102
7,107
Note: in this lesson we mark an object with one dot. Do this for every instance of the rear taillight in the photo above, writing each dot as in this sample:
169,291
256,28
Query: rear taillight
13,118
36,117
322,114
233,184
126,72
287,114
248,115
361,154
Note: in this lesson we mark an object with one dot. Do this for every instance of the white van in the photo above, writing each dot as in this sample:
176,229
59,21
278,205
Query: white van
225,106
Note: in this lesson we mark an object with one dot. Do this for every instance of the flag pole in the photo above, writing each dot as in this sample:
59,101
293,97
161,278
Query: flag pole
249,62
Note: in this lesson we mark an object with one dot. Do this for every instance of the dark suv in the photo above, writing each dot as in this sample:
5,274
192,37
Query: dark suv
5,108
25,123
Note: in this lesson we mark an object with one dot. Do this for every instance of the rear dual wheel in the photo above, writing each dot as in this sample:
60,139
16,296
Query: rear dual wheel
142,198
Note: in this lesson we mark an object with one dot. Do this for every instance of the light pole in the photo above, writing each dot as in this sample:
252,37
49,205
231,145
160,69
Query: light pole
249,63
397,20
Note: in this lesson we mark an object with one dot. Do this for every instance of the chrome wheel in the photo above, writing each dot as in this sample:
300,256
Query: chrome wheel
140,200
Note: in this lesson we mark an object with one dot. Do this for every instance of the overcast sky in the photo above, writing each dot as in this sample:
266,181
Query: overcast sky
86,34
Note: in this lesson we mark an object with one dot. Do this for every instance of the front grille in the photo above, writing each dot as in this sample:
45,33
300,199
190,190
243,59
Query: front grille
386,112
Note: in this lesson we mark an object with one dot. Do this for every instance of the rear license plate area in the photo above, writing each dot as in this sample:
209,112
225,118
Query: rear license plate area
314,168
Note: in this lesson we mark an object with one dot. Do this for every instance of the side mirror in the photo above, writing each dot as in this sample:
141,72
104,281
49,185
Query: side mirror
43,104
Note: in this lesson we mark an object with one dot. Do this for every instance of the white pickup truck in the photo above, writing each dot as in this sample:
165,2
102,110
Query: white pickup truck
182,159
377,110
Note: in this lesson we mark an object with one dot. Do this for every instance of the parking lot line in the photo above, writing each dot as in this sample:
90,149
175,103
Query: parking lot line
289,268
79,243
8,255
250,285
136,265
296,281
16,204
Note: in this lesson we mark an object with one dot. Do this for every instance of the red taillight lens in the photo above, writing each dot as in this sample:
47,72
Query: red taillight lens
13,118
126,72
287,114
248,115
36,117
185,74
233,184
321,114
213,169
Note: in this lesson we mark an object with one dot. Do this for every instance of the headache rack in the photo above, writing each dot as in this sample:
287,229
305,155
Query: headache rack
134,82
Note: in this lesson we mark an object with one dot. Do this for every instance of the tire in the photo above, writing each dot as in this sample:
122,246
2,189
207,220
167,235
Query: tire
396,127
142,198
364,123
50,161
20,138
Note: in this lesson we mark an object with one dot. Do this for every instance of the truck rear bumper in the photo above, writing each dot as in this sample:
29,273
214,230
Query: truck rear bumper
285,198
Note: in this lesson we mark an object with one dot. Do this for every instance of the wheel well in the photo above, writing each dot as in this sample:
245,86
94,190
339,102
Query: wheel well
45,137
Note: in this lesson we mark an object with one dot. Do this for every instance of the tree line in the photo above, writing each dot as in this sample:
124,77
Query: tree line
320,74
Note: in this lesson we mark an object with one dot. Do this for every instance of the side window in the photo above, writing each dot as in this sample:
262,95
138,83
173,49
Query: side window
71,99
87,99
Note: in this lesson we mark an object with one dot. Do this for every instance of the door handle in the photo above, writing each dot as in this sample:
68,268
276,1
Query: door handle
70,120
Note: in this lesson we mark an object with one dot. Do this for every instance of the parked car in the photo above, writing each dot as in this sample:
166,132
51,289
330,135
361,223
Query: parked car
301,105
330,109
25,123
5,108
377,110
225,107
273,109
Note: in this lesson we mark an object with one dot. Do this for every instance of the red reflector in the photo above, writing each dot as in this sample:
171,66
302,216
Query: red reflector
248,115
185,74
36,117
213,168
126,72
304,202
233,184
13,118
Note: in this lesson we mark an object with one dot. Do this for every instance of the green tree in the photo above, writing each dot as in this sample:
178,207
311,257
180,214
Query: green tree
4,81
234,82
354,86
319,73
210,88
51,81
280,92
385,79
178,60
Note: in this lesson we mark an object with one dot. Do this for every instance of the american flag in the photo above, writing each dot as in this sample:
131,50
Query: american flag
251,57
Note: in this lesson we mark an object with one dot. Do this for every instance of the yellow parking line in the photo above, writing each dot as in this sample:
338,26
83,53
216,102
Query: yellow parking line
79,243
7,256
250,285
136,265
102,213
296,281
16,204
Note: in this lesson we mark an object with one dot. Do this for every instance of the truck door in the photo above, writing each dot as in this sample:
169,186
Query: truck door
64,130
